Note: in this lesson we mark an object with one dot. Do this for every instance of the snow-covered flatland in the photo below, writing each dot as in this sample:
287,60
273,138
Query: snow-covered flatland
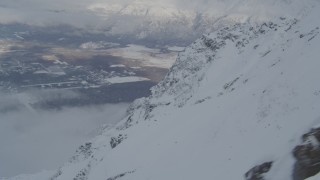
117,80
136,55
145,56
5,46
118,66
176,48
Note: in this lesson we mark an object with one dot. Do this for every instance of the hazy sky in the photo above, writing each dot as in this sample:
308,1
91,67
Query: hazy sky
46,12
75,12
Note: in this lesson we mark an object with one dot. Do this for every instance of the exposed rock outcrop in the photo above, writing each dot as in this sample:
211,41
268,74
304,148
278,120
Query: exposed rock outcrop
258,172
307,156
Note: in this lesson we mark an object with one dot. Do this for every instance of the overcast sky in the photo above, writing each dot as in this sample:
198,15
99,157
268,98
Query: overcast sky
45,12
75,12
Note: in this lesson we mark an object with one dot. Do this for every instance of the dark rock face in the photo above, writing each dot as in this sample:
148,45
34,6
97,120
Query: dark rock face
83,152
307,156
117,140
82,175
120,175
258,172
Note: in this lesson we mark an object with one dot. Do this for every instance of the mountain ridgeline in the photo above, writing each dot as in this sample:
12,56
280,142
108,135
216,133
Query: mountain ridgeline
242,102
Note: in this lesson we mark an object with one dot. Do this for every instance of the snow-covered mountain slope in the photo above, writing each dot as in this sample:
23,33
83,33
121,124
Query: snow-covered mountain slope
240,103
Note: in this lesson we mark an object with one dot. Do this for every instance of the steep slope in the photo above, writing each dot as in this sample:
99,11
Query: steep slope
240,103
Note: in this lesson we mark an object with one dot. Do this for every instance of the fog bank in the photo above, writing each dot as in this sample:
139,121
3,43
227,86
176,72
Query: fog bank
32,141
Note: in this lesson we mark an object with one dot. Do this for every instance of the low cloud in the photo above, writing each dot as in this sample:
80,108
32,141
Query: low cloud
35,140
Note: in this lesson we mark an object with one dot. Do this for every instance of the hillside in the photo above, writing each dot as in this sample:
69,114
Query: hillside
242,102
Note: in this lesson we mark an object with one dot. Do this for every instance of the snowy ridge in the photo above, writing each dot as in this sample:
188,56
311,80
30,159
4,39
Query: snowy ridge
234,106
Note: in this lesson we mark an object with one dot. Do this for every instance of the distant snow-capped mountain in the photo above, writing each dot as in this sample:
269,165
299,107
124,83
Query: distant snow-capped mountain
152,21
242,102
166,22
